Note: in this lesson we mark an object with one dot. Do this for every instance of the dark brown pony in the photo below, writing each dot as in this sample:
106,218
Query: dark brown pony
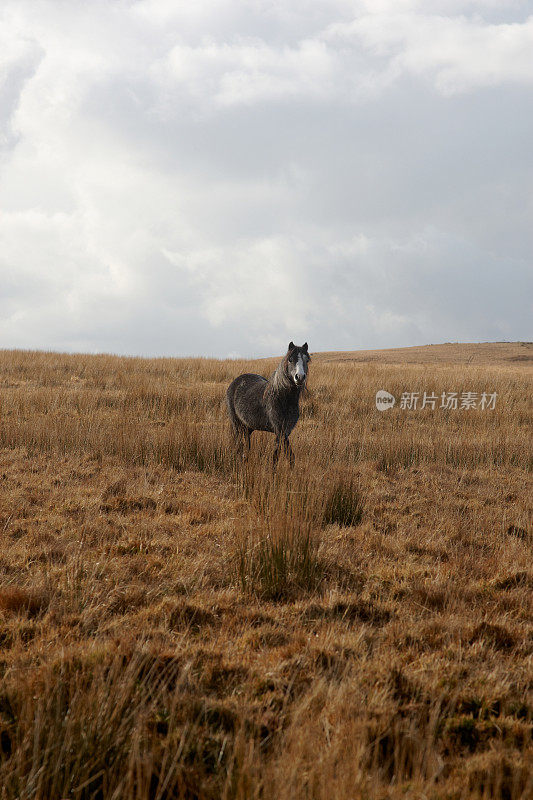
257,404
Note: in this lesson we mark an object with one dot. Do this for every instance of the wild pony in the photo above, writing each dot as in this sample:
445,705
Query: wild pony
257,404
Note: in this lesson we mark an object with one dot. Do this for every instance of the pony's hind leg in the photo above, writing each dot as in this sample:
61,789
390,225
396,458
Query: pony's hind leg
241,433
246,443
241,438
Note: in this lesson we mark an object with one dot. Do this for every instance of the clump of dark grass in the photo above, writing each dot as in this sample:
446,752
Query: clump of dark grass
26,601
277,555
281,562
344,503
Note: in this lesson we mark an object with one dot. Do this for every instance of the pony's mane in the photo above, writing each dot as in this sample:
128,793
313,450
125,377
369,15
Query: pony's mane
280,379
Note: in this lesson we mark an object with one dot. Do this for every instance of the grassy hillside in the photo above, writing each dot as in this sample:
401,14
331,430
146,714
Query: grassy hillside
489,353
175,624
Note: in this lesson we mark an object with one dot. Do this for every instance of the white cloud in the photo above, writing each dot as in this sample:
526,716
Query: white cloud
458,54
223,177
262,283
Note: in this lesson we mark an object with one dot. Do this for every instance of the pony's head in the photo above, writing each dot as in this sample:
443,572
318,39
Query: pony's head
297,363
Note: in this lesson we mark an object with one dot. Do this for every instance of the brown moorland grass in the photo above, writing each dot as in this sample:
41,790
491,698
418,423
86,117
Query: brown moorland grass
175,624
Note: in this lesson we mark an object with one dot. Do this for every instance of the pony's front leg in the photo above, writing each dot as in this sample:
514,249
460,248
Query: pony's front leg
288,450
282,443
275,455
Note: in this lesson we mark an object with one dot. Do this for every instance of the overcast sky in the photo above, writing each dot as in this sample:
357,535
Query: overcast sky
218,177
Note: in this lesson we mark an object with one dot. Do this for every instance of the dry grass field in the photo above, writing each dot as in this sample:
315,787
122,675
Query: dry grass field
176,624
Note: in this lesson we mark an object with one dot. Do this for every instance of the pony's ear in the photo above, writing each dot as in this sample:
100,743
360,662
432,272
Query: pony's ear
304,347
291,346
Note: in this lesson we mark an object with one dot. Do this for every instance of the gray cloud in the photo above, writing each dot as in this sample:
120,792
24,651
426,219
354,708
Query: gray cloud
222,178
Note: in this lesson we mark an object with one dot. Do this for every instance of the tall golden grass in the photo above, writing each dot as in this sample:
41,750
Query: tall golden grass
178,624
